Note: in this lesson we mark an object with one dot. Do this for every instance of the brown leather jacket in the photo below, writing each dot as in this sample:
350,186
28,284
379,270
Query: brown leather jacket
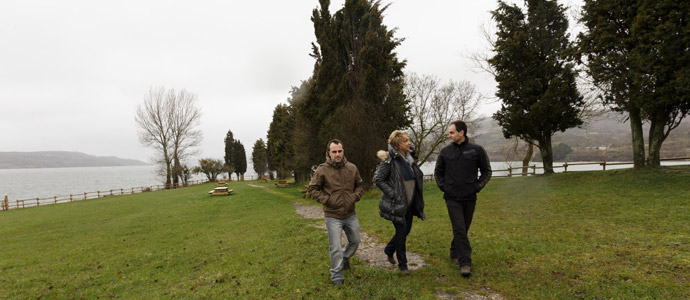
337,187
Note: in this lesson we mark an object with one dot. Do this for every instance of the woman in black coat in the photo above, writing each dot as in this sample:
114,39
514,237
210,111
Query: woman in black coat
400,181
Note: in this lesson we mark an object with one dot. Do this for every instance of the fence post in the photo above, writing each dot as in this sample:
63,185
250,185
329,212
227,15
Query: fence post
604,166
37,202
98,194
111,192
70,197
7,203
121,191
565,167
510,172
84,195
54,199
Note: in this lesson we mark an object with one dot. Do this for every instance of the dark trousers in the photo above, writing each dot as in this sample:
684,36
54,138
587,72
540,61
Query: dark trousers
397,243
460,213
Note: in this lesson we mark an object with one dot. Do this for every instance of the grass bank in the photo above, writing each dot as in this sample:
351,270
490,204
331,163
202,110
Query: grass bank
590,235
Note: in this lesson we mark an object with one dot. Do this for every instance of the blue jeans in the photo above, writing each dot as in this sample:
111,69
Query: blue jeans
335,228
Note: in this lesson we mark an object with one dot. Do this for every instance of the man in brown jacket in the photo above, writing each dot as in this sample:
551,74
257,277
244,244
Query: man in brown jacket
337,185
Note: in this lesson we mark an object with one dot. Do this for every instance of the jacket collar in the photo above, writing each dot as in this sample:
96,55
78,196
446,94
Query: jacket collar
334,164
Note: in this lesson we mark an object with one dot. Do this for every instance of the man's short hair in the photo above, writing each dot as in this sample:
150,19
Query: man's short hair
460,125
333,141
396,138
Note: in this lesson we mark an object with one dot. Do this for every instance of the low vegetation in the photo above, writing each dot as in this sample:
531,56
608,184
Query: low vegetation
591,235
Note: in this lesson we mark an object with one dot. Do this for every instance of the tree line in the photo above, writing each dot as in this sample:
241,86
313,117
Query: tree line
634,56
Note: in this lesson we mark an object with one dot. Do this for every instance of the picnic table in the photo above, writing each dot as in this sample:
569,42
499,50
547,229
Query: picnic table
221,191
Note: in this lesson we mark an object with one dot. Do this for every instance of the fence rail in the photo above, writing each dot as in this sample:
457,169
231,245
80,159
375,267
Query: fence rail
7,204
532,170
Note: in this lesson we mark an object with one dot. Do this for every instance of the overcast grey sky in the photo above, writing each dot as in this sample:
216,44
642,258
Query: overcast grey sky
73,72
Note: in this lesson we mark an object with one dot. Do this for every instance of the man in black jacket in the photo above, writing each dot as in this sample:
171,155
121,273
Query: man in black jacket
456,175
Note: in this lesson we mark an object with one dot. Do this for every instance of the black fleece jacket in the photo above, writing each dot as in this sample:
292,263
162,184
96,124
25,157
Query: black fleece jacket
456,171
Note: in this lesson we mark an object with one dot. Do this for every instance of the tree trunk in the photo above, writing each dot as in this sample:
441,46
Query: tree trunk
656,139
168,170
176,172
528,158
546,155
637,139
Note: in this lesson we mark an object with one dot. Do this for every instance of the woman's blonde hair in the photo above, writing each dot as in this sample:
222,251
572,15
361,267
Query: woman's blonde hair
397,137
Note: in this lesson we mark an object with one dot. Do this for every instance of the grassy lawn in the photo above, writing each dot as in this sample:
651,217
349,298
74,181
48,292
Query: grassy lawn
588,235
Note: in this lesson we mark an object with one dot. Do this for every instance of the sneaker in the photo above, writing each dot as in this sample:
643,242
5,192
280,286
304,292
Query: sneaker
346,263
466,271
338,282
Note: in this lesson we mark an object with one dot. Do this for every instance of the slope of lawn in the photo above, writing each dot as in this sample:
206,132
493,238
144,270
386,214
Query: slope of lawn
588,235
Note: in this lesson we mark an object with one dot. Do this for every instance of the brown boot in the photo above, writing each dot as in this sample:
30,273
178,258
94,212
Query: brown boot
391,259
465,271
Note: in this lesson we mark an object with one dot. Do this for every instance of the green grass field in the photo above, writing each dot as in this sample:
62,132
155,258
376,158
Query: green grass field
588,235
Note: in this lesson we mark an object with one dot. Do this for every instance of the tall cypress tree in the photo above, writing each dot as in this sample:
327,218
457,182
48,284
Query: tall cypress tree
536,82
357,84
260,158
239,159
280,141
229,143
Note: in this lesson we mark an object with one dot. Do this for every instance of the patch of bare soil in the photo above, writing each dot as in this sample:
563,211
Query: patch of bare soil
370,249
483,294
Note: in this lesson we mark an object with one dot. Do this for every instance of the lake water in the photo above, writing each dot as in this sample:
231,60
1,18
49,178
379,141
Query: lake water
20,184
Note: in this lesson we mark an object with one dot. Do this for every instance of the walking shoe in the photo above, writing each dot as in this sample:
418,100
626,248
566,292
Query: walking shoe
338,282
405,272
346,263
391,259
465,271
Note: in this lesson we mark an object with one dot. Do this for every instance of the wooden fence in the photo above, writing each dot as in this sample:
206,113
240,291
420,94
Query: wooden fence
532,170
34,202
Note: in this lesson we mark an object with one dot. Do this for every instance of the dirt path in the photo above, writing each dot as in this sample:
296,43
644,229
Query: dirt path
370,249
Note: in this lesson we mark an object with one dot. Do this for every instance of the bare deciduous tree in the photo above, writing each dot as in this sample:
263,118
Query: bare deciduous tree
433,107
168,123
185,117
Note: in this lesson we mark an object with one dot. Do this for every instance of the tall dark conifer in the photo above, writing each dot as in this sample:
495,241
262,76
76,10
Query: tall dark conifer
229,142
239,159
357,90
536,83
280,141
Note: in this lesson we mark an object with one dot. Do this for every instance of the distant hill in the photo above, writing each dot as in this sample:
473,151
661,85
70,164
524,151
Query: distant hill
60,159
604,138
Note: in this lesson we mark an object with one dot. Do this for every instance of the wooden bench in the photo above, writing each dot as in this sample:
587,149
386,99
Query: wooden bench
282,184
221,191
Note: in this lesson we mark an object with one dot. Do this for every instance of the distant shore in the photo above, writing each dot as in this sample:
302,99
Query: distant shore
61,159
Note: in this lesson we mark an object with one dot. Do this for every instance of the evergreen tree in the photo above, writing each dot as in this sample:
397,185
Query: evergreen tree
280,142
229,143
260,158
357,85
536,83
637,53
239,159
